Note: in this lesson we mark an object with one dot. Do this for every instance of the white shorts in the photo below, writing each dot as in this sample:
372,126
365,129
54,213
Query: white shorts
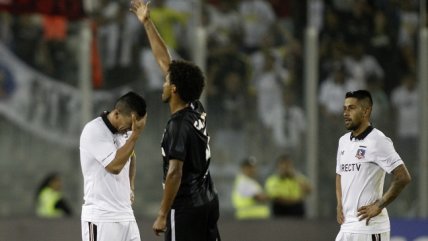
104,231
342,236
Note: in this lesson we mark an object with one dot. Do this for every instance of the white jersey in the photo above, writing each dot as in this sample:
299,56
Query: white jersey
106,196
362,162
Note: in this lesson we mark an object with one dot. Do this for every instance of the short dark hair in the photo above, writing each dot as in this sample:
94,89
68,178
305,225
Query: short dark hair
188,78
131,102
360,95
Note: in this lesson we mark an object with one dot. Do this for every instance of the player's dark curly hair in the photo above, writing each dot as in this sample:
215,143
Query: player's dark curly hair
188,78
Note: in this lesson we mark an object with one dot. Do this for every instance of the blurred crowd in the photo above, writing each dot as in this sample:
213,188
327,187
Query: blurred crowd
254,66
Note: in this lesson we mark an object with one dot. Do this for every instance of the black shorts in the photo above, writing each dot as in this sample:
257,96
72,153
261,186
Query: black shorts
194,223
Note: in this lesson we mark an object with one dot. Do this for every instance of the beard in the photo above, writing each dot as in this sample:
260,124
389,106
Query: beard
352,126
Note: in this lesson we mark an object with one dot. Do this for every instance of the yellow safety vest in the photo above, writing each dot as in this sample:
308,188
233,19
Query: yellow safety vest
284,187
247,207
46,203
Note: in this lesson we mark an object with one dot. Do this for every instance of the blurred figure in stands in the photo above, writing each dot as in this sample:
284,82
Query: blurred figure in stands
50,202
287,189
248,197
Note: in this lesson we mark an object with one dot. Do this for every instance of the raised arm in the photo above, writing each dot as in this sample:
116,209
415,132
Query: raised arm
159,48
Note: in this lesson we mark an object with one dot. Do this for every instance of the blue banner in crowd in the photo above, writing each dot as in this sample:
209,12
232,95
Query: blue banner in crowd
409,230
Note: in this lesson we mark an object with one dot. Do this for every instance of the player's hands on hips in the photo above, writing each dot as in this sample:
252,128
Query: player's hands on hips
339,216
141,10
369,211
160,225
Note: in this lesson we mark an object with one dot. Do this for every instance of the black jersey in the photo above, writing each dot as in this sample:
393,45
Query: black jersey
186,139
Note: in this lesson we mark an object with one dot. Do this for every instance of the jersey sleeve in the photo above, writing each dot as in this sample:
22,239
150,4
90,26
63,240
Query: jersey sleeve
98,145
387,158
179,131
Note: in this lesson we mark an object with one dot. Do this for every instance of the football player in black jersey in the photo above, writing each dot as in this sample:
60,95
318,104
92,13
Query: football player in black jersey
189,208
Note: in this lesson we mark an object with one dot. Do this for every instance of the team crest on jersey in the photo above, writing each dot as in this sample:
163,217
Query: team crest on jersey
361,152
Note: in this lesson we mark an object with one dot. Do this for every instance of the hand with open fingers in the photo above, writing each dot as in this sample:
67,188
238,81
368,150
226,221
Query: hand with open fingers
140,9
369,211
160,225
138,124
340,217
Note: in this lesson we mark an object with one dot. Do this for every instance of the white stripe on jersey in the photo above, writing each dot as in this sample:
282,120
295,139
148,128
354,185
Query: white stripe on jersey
172,224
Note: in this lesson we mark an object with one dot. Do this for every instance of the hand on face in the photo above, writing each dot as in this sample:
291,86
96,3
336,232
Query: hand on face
138,125
140,9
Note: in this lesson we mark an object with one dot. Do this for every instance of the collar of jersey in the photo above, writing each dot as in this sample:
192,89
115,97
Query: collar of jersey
181,111
108,123
363,134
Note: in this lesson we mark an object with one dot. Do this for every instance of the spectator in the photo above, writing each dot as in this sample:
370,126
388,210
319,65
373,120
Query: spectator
27,33
406,109
50,202
248,197
224,21
333,28
381,111
331,92
332,54
220,65
407,35
169,20
289,125
115,35
287,189
54,40
258,16
360,65
272,55
405,101
109,34
383,47
359,22
229,139
331,38
269,88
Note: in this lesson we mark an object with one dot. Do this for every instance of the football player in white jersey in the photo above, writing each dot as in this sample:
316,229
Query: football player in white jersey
364,155
108,165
